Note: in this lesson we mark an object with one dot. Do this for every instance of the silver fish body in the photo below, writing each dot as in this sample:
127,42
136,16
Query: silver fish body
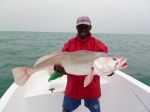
76,63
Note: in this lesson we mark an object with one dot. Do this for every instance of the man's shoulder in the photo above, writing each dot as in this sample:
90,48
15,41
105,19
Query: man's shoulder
98,42
71,40
96,39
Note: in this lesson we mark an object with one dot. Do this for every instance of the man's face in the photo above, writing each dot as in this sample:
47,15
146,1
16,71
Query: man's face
83,30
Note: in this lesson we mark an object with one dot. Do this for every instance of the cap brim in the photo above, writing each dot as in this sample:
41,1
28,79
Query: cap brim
86,23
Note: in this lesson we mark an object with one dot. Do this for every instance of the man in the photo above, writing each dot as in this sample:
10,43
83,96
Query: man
75,91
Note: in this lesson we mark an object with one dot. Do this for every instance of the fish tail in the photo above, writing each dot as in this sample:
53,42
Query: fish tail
21,74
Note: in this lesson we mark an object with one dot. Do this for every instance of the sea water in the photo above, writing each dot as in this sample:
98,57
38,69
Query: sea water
24,48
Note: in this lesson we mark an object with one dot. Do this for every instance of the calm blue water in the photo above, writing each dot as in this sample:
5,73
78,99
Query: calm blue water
24,48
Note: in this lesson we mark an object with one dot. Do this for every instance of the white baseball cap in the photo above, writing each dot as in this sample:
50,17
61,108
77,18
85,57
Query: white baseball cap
83,20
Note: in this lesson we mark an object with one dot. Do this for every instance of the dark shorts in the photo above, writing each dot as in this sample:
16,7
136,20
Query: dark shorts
71,104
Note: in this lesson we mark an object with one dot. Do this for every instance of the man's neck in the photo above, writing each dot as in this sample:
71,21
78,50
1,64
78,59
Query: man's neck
84,37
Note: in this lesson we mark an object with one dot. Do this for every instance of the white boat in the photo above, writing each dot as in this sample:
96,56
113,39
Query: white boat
120,93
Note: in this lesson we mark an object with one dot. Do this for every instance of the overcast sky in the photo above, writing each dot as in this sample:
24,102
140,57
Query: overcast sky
107,16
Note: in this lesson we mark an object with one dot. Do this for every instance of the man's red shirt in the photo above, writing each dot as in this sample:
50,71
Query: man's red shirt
74,88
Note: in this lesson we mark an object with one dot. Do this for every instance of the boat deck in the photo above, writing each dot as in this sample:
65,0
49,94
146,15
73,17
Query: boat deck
120,93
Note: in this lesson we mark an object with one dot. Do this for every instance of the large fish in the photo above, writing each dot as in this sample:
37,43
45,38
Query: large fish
78,63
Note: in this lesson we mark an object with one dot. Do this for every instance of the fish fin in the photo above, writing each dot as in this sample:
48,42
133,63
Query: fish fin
88,79
43,58
21,75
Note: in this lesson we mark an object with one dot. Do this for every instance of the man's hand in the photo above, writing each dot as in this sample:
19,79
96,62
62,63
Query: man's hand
58,68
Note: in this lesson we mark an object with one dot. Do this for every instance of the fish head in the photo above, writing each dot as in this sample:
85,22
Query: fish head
107,65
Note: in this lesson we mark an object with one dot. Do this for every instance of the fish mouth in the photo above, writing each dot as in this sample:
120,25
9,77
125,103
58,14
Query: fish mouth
122,63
